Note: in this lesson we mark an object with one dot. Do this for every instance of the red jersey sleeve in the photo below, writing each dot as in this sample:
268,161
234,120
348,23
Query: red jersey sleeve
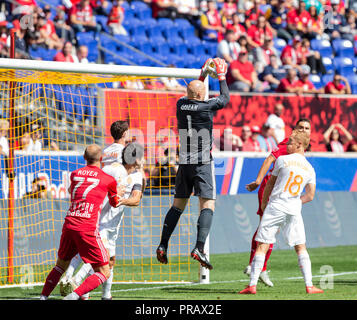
280,150
113,194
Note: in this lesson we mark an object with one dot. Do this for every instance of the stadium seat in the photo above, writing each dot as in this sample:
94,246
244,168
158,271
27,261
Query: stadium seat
323,46
344,65
316,80
178,48
84,37
279,44
162,49
138,33
189,61
329,66
141,10
343,48
196,49
154,33
128,14
213,84
102,20
327,78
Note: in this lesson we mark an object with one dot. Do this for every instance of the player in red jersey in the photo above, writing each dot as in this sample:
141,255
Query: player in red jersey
303,124
89,186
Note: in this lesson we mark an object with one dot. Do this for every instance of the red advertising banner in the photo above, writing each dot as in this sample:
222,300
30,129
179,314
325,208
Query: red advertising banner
158,109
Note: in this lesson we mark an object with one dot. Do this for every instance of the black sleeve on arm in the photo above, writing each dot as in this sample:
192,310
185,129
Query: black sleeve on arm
224,92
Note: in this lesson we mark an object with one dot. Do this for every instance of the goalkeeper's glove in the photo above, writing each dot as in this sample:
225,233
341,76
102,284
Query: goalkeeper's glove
221,68
205,69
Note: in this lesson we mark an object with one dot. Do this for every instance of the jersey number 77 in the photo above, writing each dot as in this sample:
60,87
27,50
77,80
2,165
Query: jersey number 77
93,183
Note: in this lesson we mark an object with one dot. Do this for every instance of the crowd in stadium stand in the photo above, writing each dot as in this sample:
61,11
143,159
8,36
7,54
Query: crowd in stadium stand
246,31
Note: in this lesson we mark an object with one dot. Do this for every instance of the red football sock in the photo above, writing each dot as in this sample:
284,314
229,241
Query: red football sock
253,248
51,281
92,282
267,256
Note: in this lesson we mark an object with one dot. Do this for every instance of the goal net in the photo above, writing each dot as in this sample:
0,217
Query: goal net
50,111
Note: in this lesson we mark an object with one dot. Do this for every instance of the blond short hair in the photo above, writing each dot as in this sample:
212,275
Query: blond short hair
302,137
4,124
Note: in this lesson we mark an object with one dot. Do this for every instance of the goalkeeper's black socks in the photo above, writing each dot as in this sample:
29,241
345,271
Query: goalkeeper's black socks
203,227
170,222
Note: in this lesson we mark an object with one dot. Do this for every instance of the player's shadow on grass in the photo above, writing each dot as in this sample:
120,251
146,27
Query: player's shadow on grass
346,282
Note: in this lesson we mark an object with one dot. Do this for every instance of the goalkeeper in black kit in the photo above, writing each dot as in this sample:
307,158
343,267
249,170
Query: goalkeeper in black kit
196,167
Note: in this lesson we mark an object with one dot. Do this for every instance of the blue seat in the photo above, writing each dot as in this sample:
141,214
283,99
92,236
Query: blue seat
343,48
154,32
128,14
213,84
197,49
187,33
162,49
102,20
84,37
327,78
279,44
316,80
329,66
165,22
323,46
344,65
190,61
145,46
141,10
138,32
178,48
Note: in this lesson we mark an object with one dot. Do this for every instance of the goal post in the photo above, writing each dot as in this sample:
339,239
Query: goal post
66,106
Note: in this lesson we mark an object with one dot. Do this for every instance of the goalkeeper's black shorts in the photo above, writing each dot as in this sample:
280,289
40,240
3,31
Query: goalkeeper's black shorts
197,178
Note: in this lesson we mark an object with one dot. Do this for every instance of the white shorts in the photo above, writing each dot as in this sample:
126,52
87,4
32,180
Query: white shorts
109,234
291,226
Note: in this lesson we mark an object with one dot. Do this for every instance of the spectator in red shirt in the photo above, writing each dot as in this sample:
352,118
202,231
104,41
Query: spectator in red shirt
22,7
260,31
229,141
81,18
250,143
236,26
116,18
48,30
298,20
316,25
211,23
289,84
252,15
337,87
292,54
241,75
66,54
228,9
304,82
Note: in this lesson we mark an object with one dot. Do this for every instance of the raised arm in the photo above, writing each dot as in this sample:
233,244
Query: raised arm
261,174
345,131
327,133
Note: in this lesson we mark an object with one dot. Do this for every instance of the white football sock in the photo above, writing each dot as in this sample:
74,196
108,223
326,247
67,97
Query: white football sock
257,266
82,273
107,286
305,266
75,262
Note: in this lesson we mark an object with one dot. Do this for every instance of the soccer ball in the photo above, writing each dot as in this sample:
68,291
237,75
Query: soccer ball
211,69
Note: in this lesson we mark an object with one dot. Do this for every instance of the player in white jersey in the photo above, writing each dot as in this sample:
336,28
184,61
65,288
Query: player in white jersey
129,177
119,132
281,204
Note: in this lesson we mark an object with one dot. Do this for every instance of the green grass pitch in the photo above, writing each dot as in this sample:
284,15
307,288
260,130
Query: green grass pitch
227,278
